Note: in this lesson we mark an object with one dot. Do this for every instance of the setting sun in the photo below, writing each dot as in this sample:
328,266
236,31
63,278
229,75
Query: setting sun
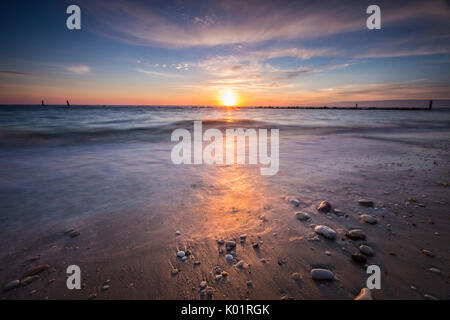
229,98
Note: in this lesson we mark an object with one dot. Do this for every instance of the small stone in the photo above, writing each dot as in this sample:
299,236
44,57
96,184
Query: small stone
413,288
249,284
324,207
322,274
295,202
427,253
328,253
230,245
177,232
174,271
218,277
359,258
184,258
196,263
32,292
325,231
26,281
105,287
364,295
338,212
220,242
435,270
366,203
263,260
302,216
368,251
296,276
92,296
243,237
224,273
255,245
203,285
36,270
74,234
11,285
240,264
356,234
430,297
181,254
229,257
368,219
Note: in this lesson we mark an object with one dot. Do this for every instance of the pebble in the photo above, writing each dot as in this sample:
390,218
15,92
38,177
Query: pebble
368,251
26,281
366,203
359,258
255,245
11,285
338,212
413,288
243,237
74,234
240,264
229,257
177,233
368,219
325,231
36,270
364,295
322,274
302,216
430,297
295,202
184,258
263,260
220,242
105,287
249,284
218,277
435,270
356,234
180,254
328,253
324,207
203,285
230,245
427,253
296,276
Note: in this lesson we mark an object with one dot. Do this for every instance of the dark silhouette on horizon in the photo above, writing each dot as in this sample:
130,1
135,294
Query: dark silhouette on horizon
68,104
430,105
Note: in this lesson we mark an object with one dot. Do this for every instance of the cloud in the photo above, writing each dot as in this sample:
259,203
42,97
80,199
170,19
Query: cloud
237,22
14,73
78,70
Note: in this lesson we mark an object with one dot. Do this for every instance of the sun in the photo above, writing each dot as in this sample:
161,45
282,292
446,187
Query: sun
229,98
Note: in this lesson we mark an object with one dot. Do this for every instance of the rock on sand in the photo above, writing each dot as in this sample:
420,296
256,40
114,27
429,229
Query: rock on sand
324,207
302,216
364,295
325,231
322,274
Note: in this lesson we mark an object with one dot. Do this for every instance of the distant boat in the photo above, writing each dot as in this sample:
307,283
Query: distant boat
43,104
68,104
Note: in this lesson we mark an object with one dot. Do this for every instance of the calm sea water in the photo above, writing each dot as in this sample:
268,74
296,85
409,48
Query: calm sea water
32,125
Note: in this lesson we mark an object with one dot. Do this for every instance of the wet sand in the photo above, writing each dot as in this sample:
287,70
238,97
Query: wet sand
135,245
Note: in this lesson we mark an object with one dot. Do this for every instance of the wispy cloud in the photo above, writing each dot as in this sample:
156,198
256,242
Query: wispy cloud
78,70
237,22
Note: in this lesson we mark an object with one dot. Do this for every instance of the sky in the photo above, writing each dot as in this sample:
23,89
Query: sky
270,53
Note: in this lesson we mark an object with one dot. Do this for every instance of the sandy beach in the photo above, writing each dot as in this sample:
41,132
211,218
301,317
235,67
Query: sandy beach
114,209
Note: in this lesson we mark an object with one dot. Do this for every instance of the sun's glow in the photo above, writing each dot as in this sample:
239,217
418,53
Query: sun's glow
229,98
